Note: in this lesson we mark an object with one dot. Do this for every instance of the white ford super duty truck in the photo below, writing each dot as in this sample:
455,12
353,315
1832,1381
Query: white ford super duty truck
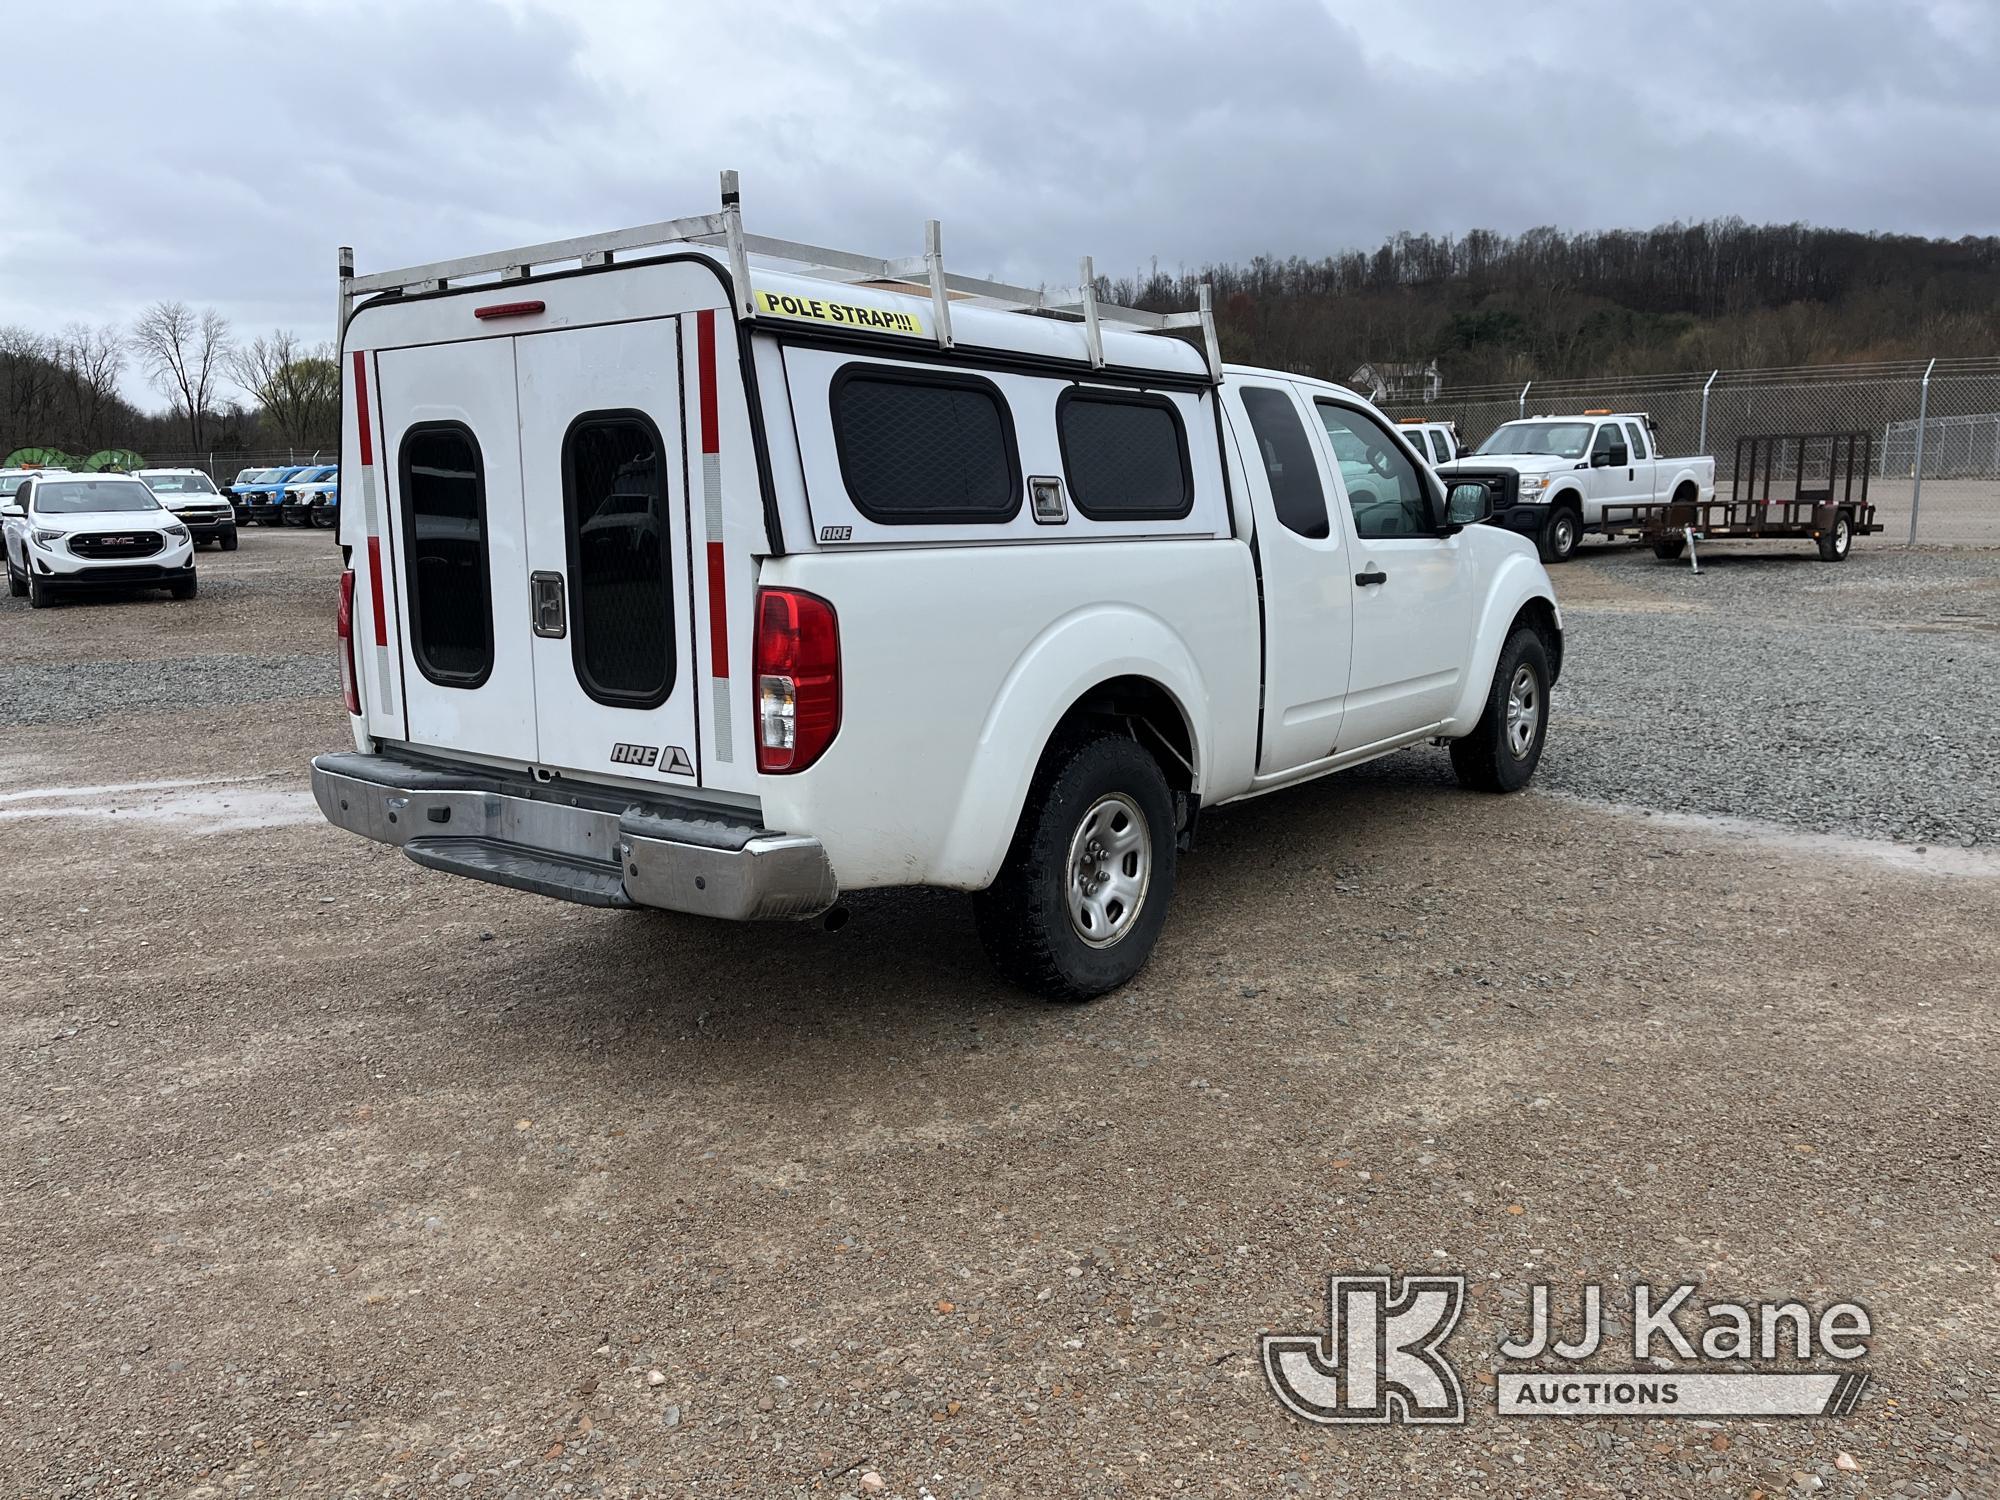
679,581
1553,476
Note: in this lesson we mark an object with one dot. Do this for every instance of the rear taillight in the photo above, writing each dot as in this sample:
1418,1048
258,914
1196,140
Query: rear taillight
343,630
797,667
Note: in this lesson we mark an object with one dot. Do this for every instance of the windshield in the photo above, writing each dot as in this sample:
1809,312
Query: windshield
1555,439
12,482
78,497
178,484
255,476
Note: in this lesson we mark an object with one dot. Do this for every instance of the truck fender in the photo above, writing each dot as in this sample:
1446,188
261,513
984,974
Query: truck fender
1072,655
1518,579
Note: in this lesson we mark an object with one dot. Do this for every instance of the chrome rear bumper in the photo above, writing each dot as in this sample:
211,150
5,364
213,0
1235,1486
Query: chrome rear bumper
588,844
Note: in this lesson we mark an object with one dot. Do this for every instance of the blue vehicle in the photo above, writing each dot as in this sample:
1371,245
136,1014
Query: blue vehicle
262,499
308,494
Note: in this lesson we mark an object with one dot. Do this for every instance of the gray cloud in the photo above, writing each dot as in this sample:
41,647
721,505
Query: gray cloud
219,153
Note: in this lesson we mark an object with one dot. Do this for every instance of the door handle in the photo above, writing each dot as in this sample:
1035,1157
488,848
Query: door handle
1372,575
547,605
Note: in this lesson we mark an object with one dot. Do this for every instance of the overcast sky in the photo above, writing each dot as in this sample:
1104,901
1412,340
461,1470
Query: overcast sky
218,153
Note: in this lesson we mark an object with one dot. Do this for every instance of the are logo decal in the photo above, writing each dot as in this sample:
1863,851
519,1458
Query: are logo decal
635,755
836,533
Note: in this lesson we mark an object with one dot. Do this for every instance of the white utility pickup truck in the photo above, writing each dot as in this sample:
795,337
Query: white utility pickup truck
682,582
1553,476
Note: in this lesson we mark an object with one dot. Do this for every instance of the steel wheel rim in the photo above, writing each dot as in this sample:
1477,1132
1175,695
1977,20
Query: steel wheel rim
1841,534
1565,534
1524,711
1109,870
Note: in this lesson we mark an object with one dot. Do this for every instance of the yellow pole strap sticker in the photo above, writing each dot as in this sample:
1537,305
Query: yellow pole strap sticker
840,314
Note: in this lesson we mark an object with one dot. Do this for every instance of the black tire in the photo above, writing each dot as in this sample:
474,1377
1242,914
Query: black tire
1487,760
321,516
185,589
1668,551
1561,534
227,541
1024,917
40,595
16,584
1838,539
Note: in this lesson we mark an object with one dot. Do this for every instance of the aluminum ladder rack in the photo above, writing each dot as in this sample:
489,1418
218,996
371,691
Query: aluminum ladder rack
725,229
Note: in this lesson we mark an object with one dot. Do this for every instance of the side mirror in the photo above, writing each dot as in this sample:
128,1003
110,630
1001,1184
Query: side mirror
1468,504
9,511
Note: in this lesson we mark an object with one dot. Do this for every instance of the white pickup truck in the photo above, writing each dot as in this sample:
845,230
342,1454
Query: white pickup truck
679,582
1553,476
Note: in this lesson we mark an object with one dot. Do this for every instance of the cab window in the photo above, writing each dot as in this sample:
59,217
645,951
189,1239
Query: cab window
1296,492
1385,491
1638,440
1609,436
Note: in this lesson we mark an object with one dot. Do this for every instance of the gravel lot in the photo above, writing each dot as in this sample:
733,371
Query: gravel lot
327,1175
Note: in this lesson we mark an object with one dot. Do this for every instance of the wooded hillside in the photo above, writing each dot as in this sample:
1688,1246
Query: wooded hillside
1546,304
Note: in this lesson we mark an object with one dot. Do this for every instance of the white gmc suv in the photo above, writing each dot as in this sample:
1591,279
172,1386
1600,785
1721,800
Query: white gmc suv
679,583
67,532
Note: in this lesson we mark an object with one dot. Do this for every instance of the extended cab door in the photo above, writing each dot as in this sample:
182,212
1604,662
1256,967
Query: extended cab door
1414,593
1304,567
1645,469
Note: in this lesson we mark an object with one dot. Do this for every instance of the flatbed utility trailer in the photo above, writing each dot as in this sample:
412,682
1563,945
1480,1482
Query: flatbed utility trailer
1821,494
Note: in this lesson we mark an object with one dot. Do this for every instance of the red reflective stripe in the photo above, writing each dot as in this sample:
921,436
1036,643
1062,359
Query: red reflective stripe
718,613
361,406
704,324
375,587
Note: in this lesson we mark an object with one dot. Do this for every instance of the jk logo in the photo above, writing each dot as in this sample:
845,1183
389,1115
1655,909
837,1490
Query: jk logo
1378,1360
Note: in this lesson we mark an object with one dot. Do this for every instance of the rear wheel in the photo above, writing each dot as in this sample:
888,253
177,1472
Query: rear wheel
1838,539
1079,903
1560,534
1505,746
16,584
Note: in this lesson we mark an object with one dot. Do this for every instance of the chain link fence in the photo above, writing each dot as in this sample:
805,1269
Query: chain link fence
1934,427
223,467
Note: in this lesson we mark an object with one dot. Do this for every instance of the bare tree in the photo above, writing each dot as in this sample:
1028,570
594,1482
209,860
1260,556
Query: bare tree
29,398
298,386
183,351
90,361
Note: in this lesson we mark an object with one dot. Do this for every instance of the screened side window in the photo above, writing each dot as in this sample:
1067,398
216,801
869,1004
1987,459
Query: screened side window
1296,493
444,528
1125,456
620,560
1636,439
921,447
1440,449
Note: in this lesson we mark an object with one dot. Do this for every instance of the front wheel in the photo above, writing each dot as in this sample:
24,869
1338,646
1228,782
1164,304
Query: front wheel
40,595
182,590
1079,903
1505,746
1560,535
227,541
